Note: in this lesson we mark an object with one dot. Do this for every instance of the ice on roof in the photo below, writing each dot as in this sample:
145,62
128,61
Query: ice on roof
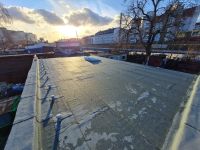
112,105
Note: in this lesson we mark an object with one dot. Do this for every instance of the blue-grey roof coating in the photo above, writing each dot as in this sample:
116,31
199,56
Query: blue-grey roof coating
106,105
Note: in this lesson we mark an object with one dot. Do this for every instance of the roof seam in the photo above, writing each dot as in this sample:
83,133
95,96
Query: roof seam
191,126
24,120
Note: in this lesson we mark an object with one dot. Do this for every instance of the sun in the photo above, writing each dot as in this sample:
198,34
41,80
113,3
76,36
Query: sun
67,31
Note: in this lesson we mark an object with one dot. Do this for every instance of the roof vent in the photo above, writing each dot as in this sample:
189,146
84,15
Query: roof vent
92,59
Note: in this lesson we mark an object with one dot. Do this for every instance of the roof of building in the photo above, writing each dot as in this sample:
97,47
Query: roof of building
189,12
89,36
109,104
108,31
68,40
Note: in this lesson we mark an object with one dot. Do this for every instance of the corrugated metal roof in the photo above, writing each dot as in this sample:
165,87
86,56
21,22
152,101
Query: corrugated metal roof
109,105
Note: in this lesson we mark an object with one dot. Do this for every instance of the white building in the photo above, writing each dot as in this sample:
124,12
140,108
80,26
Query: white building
109,36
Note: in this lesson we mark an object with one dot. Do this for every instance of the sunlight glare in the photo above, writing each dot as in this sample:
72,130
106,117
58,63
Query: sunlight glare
67,31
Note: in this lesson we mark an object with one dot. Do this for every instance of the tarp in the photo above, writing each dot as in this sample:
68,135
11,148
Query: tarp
9,104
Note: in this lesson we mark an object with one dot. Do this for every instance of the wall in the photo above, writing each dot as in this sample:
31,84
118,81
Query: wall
14,69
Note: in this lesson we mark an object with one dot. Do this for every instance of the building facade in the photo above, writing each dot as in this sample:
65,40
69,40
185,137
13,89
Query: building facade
196,32
188,20
10,38
109,36
197,26
87,40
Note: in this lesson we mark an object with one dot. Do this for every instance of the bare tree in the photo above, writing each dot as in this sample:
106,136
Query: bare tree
148,20
4,15
5,18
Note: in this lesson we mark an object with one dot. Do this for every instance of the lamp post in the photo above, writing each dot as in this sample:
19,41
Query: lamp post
3,43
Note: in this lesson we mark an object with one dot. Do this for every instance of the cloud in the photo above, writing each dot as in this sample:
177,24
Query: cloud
32,16
18,13
49,17
87,17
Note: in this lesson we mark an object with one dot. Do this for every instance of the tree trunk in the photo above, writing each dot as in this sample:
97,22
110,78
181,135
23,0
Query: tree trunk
148,54
147,60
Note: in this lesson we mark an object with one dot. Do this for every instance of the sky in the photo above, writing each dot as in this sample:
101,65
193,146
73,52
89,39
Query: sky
56,19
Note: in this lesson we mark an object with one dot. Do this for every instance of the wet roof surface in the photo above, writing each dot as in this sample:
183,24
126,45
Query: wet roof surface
106,105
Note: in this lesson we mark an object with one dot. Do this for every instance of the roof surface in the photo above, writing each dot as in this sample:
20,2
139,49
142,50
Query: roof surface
106,105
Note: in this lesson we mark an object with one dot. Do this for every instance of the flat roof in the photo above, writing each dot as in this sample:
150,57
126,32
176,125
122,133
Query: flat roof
106,105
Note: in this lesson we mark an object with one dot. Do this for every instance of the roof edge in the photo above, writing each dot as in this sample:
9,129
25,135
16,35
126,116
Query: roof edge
176,131
37,109
26,124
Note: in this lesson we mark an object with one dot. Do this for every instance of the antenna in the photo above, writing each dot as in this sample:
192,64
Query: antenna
120,26
76,35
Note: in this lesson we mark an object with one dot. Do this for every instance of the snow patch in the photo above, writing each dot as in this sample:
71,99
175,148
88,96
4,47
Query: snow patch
119,103
97,137
154,99
153,89
132,147
131,90
142,111
129,108
143,95
128,139
134,116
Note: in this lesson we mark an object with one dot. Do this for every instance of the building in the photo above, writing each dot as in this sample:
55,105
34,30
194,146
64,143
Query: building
87,40
196,32
15,39
197,26
189,19
67,47
109,36
71,103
